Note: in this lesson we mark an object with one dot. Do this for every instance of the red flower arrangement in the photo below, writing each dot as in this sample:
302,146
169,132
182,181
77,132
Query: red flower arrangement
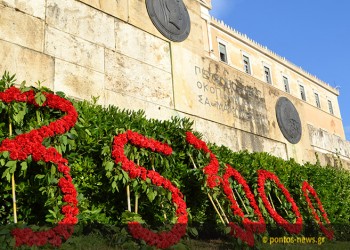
30,143
164,239
213,180
212,169
307,188
250,227
295,228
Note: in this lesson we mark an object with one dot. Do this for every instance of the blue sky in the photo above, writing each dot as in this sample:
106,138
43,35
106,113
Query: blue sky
312,34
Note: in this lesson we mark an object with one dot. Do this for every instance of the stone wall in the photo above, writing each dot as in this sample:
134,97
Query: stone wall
111,50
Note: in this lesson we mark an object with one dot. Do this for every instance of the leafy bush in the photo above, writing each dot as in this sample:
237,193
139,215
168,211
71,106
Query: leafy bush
101,184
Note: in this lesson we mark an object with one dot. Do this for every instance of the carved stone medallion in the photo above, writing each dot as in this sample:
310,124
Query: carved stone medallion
170,17
288,120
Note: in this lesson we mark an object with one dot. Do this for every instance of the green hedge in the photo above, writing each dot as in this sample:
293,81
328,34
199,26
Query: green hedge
101,184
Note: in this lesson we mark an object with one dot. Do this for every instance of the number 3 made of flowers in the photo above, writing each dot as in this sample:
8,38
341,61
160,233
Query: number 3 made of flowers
30,143
164,239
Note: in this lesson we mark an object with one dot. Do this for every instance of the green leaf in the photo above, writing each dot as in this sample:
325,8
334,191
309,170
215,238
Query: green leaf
53,170
11,163
19,116
128,216
6,154
109,165
6,174
169,196
193,231
106,150
151,195
64,140
24,166
40,98
39,176
53,213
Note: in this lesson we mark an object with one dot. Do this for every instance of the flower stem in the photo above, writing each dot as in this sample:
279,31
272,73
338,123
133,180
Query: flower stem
240,198
271,201
128,197
13,183
161,204
282,204
216,209
211,199
222,211
136,202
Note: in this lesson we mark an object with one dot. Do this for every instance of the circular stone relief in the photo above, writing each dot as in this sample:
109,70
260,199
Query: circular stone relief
170,17
288,120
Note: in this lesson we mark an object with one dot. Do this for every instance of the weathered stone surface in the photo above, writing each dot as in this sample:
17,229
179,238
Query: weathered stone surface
142,46
125,101
218,93
321,140
28,65
82,21
117,8
19,28
78,82
32,7
329,159
138,17
236,139
131,77
75,50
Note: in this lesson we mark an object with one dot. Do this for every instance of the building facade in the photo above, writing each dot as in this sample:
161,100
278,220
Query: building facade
171,58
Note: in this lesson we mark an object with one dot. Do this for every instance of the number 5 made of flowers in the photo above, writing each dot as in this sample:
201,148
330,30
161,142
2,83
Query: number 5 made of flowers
163,239
31,143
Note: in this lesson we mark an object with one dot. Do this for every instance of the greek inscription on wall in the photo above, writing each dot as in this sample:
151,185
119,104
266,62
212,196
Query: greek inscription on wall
230,94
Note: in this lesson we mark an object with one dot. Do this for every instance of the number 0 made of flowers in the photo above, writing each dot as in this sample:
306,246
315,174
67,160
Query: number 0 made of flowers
30,143
164,239
294,228
250,227
307,188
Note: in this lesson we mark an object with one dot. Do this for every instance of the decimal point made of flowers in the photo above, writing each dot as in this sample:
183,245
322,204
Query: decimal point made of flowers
163,239
30,143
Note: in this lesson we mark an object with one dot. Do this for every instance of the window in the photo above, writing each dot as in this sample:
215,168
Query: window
267,74
286,84
330,107
246,64
222,51
317,100
302,92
